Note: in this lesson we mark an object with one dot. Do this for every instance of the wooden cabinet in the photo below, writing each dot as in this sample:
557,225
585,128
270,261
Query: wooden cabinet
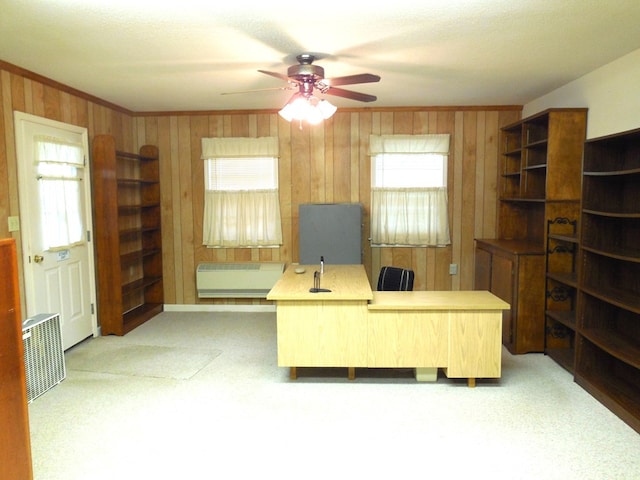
608,323
561,290
128,235
15,443
514,273
539,180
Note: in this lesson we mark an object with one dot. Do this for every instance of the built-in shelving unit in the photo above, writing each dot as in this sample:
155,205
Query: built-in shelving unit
561,290
539,180
608,325
128,235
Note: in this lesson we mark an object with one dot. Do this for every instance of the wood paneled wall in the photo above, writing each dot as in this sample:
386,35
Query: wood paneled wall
324,163
327,163
23,91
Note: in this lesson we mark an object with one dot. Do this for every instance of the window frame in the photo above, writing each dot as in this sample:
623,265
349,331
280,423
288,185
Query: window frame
255,202
403,213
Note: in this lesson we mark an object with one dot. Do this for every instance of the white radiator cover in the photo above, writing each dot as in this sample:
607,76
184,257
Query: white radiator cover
237,280
43,354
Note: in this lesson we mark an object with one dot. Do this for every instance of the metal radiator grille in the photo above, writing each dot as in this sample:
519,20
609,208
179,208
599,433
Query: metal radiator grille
43,354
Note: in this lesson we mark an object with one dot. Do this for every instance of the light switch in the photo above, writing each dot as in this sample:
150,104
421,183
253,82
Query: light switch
14,223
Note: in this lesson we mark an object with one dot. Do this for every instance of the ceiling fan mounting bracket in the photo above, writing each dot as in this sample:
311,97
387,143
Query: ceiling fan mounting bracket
305,58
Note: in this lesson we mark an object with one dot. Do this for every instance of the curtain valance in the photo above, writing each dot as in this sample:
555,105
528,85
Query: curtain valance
233,147
54,150
431,143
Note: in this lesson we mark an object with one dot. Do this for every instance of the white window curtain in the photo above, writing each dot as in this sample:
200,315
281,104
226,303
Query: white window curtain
242,204
409,190
59,167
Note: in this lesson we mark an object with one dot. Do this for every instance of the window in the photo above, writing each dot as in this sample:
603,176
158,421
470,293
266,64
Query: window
409,190
60,167
241,205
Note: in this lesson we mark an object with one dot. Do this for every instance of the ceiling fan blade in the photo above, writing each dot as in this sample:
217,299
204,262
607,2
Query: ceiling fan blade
352,79
341,92
276,74
258,90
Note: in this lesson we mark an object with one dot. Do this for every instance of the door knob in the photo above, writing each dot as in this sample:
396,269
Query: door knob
38,258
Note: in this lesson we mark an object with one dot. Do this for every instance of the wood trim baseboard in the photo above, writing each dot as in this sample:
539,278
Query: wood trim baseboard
218,308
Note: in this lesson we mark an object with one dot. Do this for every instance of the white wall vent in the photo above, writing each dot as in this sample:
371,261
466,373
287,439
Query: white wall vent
43,354
237,280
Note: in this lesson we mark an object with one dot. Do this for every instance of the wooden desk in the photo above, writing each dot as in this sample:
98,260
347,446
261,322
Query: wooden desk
322,329
351,326
458,331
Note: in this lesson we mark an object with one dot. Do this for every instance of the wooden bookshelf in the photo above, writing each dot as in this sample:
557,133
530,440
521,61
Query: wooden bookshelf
608,324
128,235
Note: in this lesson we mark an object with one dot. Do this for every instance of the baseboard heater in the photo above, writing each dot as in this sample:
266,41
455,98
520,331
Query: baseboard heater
43,354
237,280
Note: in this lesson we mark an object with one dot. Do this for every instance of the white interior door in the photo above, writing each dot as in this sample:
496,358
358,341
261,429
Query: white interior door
55,221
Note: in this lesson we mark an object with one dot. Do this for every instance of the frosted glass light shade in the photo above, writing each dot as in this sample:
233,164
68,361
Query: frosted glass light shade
309,109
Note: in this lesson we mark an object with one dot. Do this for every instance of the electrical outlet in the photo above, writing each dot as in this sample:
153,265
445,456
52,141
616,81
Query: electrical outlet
14,223
453,269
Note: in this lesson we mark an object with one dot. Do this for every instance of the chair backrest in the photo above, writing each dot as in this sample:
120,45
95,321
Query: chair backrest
395,279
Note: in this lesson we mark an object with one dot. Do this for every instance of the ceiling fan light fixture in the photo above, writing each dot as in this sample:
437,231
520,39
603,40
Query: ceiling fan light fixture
313,116
295,109
326,108
307,108
286,112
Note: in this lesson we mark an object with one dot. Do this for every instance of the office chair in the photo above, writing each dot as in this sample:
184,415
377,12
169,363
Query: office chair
395,279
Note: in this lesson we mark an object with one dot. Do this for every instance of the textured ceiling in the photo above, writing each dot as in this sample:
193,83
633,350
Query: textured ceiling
182,56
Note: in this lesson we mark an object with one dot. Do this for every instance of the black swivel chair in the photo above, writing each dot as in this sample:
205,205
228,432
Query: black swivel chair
395,279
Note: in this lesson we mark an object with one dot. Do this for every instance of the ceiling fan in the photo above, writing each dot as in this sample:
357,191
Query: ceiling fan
306,77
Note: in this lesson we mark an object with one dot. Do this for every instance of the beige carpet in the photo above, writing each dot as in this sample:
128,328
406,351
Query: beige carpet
107,356
241,417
